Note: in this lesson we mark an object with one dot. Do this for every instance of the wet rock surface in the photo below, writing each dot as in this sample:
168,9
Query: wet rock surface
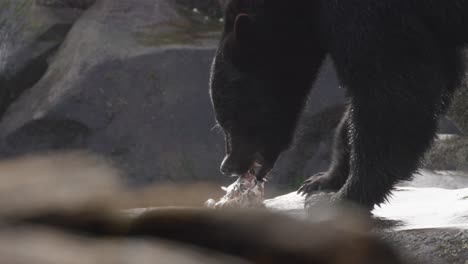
434,246
427,223
50,246
81,4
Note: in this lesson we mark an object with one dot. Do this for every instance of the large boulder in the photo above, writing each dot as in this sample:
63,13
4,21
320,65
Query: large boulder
130,81
80,4
450,153
29,35
458,110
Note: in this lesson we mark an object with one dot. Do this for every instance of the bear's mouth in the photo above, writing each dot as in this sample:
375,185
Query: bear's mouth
258,171
241,164
250,174
253,171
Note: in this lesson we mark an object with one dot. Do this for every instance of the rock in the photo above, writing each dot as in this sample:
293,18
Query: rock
434,246
458,111
448,127
131,82
452,153
72,194
80,4
48,246
211,8
450,180
29,35
410,204
74,213
449,153
427,224
426,208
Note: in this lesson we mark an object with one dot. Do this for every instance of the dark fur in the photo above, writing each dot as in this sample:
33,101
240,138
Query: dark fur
400,61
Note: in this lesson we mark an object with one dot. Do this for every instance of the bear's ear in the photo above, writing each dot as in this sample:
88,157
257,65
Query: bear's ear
243,28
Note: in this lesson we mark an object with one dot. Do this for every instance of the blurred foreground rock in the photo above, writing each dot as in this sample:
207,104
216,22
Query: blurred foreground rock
449,154
49,246
77,210
67,208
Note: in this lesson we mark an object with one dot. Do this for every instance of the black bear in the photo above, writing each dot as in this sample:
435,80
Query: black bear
399,60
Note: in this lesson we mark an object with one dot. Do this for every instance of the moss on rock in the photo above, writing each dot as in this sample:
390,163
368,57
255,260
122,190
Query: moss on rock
197,28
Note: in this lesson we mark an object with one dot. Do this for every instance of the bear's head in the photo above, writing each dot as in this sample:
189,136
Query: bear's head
259,83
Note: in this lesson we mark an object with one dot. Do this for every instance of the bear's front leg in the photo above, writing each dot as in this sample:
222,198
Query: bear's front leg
336,176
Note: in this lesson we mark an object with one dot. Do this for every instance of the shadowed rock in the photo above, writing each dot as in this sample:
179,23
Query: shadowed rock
81,4
29,36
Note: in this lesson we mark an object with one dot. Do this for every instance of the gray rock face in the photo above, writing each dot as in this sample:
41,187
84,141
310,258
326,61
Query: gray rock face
81,4
458,110
449,154
110,89
29,35
434,246
208,7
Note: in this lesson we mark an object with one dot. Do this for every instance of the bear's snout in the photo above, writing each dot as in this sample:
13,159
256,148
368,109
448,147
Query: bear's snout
234,166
